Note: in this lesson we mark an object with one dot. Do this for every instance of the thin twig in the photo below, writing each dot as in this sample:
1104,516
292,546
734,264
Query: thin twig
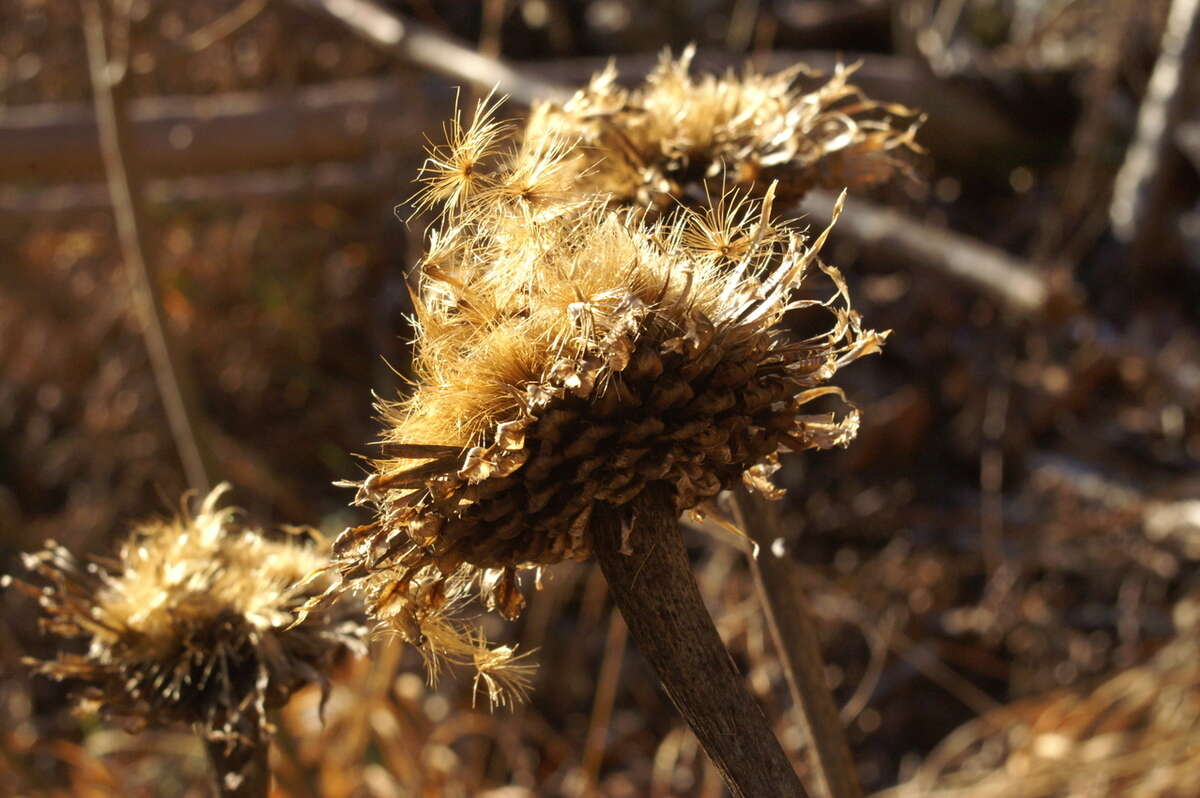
833,601
799,647
224,25
433,51
343,120
845,606
667,619
1138,193
125,190
602,705
1069,229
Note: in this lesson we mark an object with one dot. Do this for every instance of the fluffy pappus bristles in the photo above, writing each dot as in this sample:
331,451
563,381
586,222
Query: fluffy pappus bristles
572,363
454,170
654,143
194,621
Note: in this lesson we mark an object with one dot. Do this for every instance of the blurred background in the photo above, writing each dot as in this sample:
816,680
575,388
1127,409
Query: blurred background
1002,566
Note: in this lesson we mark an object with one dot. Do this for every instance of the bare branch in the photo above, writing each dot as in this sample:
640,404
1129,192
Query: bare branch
234,131
125,191
433,51
1136,210
330,181
921,245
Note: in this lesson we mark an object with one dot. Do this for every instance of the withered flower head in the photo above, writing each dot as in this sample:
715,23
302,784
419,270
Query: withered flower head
193,622
652,143
568,355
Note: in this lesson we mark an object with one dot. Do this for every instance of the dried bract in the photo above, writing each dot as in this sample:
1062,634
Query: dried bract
193,622
570,354
655,142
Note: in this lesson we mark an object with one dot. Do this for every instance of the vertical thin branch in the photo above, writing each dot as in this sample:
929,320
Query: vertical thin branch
602,705
1069,229
795,637
124,188
656,591
1138,193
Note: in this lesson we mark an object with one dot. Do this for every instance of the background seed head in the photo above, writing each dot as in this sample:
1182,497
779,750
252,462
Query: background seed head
194,621
656,142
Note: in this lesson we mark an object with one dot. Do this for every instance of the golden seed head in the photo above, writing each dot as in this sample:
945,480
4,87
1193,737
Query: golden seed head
654,142
569,353
194,621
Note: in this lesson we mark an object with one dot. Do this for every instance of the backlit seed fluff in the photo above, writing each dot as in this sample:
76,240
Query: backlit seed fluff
570,353
655,142
193,622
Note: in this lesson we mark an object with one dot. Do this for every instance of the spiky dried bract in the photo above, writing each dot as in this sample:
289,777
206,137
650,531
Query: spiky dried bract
653,143
193,622
568,356
454,170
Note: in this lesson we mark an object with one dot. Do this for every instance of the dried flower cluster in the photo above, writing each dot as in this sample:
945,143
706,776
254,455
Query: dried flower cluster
656,142
192,623
572,350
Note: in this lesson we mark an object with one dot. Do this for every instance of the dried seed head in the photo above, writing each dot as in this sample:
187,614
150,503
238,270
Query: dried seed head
653,143
569,355
194,621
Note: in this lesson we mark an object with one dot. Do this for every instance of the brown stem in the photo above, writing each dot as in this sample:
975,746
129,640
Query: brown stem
240,768
124,188
1140,190
799,647
383,27
602,705
657,594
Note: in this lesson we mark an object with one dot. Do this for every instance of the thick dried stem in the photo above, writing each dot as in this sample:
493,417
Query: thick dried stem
657,594
799,647
240,768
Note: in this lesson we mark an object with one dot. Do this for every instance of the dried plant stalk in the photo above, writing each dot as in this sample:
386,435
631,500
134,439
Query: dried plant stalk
240,768
658,596
799,648
175,386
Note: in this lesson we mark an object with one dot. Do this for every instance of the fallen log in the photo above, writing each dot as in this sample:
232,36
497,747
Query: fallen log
328,181
175,136
352,119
